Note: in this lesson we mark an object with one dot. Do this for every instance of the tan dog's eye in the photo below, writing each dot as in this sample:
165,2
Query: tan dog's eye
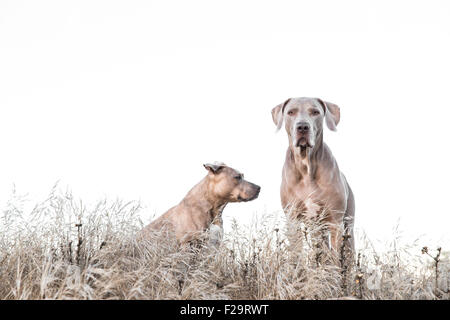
238,178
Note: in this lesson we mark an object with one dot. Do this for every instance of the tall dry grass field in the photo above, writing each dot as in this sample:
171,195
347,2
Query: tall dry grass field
64,249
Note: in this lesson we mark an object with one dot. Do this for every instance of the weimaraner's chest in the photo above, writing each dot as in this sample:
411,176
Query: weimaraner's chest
307,198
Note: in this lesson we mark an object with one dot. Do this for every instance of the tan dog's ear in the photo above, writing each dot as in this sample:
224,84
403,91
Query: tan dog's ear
214,167
332,114
277,114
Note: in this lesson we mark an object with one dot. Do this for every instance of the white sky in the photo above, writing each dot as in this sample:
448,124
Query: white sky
129,98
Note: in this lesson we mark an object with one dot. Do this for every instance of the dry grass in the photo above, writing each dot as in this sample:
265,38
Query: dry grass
66,250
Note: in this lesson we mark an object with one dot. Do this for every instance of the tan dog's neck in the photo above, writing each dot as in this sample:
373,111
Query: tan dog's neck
203,197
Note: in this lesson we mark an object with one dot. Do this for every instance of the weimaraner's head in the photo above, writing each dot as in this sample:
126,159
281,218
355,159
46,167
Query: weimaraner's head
303,118
228,184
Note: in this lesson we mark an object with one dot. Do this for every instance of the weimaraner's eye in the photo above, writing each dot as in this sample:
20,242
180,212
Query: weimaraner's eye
291,112
315,112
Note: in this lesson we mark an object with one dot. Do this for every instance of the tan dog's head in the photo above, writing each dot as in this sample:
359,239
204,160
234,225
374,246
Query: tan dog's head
303,118
229,185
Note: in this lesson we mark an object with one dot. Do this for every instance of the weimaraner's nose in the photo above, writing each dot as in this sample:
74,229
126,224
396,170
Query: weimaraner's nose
303,127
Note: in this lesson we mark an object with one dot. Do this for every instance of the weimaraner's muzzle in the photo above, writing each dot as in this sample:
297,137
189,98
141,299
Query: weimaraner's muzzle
311,180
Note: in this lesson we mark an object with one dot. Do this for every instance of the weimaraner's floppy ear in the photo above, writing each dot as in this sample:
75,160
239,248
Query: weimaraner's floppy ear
277,114
332,114
214,167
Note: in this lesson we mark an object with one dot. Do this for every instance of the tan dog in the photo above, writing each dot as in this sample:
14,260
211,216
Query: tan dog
203,205
311,180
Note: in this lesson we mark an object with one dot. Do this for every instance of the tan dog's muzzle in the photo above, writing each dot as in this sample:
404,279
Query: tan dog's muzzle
250,192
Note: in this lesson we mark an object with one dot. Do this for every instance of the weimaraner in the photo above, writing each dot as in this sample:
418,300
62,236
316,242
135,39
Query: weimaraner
311,180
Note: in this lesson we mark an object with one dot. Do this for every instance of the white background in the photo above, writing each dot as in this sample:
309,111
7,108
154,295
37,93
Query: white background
129,98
